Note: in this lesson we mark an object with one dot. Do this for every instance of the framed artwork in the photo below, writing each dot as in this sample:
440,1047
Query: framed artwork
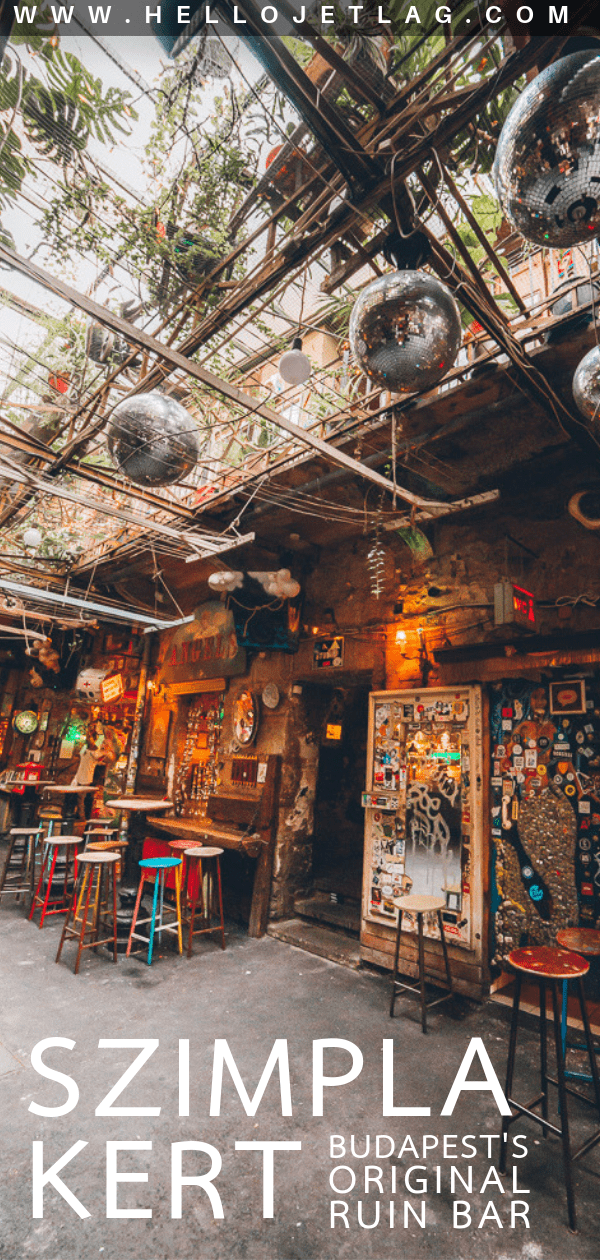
159,727
567,697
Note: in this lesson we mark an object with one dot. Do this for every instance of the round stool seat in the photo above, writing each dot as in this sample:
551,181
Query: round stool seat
201,852
419,903
97,846
28,831
160,863
98,857
582,940
549,961
63,840
180,846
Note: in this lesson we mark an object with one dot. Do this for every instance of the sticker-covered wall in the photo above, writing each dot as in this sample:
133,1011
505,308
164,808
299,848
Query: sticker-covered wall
545,794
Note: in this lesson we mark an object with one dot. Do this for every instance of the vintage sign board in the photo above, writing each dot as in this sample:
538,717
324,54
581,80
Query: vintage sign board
206,647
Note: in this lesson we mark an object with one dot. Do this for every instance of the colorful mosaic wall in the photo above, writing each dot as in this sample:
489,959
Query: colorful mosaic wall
545,793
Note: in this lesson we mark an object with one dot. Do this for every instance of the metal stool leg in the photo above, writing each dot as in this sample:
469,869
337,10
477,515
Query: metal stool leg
445,950
543,1052
564,1119
422,972
510,1068
157,880
395,971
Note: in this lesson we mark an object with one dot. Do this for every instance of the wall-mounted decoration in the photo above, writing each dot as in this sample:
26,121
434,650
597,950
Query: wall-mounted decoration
206,647
568,696
270,695
159,725
88,685
545,793
26,722
329,653
112,688
547,163
586,386
245,717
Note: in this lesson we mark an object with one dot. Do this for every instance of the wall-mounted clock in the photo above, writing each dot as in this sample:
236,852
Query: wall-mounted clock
270,695
26,722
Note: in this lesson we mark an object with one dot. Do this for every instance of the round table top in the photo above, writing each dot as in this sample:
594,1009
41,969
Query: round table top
12,783
70,787
582,940
550,961
63,839
141,803
200,851
419,903
184,844
24,831
97,857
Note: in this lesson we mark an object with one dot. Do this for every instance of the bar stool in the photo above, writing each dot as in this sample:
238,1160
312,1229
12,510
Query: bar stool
153,870
96,876
585,941
110,846
548,964
59,904
49,816
195,892
421,905
18,872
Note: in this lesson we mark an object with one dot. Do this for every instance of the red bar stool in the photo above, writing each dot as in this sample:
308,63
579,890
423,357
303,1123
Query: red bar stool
420,904
548,965
58,904
18,873
194,892
96,876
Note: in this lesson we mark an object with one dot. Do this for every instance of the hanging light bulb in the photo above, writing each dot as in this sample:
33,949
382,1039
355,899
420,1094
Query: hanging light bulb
32,537
294,366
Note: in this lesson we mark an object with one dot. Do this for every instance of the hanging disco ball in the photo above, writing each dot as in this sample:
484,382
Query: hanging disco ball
586,387
547,167
153,440
405,331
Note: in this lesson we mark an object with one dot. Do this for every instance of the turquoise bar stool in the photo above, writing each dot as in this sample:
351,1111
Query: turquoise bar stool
154,870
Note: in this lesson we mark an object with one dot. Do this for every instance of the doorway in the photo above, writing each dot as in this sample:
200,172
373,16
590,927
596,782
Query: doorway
338,717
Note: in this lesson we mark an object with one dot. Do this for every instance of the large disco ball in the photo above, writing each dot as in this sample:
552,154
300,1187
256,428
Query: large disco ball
152,439
547,167
405,331
586,387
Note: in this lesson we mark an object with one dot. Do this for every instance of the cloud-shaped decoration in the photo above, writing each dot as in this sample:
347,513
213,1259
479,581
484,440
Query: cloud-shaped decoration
226,580
280,584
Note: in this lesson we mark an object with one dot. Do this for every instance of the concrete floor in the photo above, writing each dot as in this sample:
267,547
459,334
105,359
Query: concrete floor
253,993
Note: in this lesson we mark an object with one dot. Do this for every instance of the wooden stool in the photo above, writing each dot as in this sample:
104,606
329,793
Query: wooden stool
49,816
419,904
585,941
21,857
96,875
547,964
60,904
194,892
156,867
110,846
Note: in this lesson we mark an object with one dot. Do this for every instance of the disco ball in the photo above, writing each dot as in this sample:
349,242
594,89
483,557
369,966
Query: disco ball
152,439
586,387
547,167
405,331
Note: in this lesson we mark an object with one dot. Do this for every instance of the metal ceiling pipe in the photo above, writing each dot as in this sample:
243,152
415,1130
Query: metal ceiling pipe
108,612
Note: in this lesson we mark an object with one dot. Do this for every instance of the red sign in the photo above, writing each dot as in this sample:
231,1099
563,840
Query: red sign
524,606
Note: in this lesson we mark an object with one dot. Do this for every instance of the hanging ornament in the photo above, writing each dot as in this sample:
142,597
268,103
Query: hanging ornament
405,331
152,439
547,167
586,387
294,366
376,567
32,537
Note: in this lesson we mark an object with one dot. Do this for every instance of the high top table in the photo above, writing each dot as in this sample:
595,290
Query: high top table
70,791
139,805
